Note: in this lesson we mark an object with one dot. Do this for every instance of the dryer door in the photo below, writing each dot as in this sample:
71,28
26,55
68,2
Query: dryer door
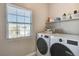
42,46
60,50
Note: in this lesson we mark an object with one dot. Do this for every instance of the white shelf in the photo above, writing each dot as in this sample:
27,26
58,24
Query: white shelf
63,21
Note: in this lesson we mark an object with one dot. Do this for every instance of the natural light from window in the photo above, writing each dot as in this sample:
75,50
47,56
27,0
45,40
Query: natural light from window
19,21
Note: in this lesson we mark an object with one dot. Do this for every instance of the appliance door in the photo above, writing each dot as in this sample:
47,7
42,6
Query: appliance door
58,49
42,46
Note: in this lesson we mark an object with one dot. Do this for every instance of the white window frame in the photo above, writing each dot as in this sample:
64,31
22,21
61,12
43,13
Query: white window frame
7,31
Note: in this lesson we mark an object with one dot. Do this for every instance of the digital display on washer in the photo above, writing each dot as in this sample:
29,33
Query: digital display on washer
72,42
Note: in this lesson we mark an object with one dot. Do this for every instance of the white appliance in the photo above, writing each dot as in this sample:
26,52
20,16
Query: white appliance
64,45
43,44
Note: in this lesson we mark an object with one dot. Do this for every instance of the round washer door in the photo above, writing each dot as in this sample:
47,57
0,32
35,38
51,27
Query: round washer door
42,46
60,50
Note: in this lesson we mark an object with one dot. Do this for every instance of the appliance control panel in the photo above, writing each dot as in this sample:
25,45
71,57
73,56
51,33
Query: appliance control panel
60,40
41,35
46,36
72,42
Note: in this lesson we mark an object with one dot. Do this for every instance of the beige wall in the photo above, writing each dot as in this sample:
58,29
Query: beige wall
22,46
57,9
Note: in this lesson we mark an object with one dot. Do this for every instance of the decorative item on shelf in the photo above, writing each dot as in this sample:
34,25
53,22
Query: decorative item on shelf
49,19
69,17
64,16
75,15
75,12
57,19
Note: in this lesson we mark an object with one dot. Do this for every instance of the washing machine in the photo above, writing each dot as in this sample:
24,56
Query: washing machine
64,45
42,43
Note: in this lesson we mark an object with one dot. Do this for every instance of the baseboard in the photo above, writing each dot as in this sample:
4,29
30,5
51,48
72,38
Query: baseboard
31,54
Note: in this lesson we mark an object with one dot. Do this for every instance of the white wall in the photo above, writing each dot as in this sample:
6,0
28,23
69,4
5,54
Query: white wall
57,9
22,46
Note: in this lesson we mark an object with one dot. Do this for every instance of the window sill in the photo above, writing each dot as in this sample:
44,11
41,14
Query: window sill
20,38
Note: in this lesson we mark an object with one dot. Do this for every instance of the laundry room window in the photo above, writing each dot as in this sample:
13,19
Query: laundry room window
19,21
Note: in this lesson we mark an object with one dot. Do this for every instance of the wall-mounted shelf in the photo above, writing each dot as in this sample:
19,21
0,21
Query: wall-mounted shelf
63,21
